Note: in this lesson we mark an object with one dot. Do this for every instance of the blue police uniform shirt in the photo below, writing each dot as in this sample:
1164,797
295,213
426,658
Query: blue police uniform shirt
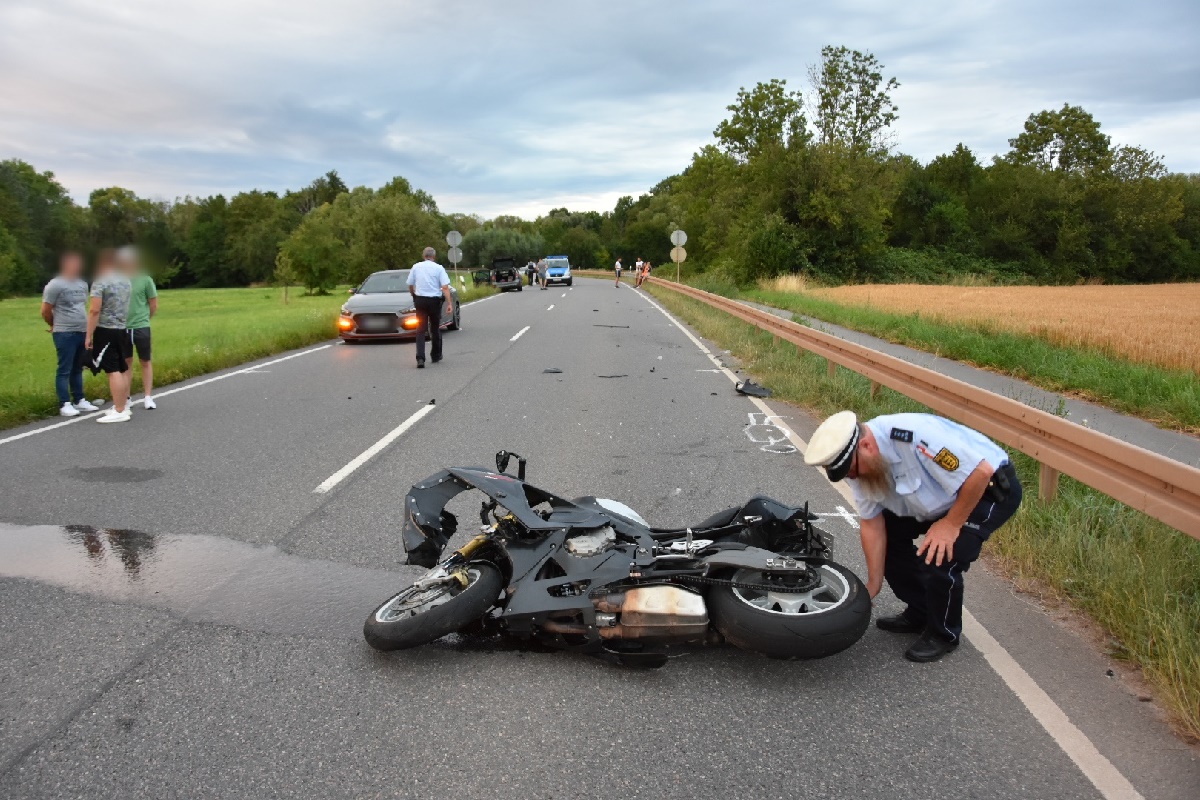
428,278
930,457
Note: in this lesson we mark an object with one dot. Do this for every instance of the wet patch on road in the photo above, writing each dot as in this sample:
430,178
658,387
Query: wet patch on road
112,474
201,578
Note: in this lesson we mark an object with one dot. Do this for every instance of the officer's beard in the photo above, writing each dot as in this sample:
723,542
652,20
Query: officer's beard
874,476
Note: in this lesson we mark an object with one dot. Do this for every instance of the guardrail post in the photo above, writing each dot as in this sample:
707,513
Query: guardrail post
874,388
832,367
1047,483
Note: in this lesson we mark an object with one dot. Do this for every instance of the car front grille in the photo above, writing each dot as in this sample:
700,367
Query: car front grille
376,323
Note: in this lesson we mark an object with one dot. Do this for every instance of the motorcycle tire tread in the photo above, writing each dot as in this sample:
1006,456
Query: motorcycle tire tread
792,637
453,615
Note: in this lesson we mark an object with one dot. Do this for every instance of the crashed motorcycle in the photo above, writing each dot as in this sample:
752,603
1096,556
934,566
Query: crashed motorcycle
590,575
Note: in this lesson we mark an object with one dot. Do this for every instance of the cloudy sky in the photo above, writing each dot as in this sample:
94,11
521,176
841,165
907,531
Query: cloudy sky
523,105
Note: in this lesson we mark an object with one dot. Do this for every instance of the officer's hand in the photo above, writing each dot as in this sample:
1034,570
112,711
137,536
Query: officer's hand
939,543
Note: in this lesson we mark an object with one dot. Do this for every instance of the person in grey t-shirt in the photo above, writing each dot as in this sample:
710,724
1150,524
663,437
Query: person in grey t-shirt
108,343
64,309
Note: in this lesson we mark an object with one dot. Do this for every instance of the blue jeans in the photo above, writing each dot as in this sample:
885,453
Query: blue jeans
68,379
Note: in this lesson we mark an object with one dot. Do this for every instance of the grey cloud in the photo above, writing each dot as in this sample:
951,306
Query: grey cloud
501,103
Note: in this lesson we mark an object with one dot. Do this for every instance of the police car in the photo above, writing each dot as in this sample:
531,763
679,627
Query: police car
558,270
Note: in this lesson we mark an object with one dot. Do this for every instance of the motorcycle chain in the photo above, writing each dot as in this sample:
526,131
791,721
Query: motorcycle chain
762,587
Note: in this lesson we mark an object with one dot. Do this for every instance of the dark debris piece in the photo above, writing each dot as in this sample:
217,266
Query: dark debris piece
752,389
552,371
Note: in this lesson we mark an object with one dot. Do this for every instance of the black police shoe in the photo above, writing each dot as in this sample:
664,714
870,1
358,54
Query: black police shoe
930,647
901,623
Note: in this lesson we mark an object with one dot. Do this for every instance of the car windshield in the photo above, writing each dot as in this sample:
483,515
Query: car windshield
385,282
557,263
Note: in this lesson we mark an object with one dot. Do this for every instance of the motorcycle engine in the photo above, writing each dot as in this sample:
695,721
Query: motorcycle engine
592,542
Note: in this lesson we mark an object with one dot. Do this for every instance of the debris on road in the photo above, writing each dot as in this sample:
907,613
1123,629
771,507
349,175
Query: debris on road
612,376
752,389
609,326
552,371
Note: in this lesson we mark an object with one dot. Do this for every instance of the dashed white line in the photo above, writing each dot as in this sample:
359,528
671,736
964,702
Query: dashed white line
245,371
551,307
564,294
519,333
1107,779
366,455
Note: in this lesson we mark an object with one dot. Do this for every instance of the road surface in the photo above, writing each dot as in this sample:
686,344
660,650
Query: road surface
181,598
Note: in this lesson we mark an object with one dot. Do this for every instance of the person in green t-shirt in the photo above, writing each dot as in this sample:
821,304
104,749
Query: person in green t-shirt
143,304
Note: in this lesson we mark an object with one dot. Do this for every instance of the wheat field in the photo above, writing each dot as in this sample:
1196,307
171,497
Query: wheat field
1156,323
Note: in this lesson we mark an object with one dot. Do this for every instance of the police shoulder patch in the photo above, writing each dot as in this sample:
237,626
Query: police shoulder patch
901,435
946,460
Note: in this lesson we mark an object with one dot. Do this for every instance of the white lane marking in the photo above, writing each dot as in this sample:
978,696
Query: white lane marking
480,300
564,294
366,455
519,333
551,308
1107,779
222,377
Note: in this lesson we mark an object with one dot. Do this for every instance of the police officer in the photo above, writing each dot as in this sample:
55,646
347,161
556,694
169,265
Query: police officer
914,474
428,283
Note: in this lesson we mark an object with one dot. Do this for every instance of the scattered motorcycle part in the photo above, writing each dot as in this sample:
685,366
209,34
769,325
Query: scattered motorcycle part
752,389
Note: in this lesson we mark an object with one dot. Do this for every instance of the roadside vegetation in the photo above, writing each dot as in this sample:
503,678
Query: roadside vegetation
196,331
1168,397
1137,578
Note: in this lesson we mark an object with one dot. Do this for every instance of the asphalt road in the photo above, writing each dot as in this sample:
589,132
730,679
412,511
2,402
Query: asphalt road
180,611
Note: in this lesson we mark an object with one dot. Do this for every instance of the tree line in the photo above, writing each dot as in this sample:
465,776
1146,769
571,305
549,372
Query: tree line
796,182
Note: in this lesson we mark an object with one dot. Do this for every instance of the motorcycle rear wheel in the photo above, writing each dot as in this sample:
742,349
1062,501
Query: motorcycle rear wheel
809,624
415,617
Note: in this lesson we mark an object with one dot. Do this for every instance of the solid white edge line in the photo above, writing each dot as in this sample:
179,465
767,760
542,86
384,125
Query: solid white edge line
1107,779
366,455
519,333
221,377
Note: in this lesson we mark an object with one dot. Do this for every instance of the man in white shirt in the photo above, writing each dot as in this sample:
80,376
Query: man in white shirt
428,283
617,268
918,475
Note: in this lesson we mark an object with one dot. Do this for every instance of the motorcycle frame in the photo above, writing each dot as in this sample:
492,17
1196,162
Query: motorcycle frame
547,587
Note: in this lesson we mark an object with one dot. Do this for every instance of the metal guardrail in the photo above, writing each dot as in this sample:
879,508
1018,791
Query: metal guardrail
1162,488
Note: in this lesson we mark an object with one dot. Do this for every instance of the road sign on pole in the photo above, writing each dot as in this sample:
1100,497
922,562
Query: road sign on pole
678,254
454,239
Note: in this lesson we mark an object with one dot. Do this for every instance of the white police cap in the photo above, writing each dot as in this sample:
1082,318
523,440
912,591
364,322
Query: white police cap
832,445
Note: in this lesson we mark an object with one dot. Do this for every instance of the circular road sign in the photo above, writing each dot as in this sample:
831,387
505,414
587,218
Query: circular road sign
454,238
678,254
454,254
679,239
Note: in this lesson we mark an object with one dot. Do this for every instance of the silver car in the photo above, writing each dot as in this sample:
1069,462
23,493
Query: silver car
382,308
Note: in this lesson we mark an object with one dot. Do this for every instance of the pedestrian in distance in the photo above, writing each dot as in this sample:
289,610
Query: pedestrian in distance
64,309
617,269
531,273
143,304
914,475
108,344
542,266
428,284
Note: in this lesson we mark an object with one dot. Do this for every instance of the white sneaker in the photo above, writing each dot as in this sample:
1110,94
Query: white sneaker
149,402
68,410
115,416
88,406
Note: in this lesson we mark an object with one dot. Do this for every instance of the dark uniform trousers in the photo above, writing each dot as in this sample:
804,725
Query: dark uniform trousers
935,594
429,315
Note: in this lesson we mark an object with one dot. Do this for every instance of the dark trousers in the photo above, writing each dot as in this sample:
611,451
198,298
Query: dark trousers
68,378
429,316
935,594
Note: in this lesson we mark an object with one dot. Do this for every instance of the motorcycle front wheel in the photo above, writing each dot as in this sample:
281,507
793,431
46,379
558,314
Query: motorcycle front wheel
813,623
418,616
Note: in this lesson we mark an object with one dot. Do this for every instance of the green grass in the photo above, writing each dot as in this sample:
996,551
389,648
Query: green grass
196,331
1170,398
1137,578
